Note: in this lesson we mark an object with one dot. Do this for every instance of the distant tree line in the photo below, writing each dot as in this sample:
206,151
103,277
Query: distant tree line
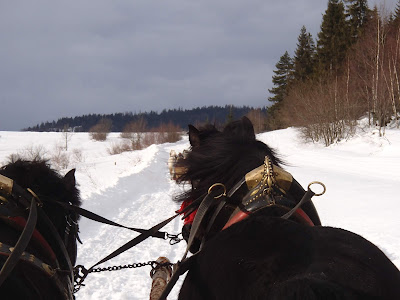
218,115
352,69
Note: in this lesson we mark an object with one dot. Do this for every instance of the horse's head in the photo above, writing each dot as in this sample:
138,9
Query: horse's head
49,186
222,156
225,157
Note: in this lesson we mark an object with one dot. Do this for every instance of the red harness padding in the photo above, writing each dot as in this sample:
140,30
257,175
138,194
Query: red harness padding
189,219
20,223
241,215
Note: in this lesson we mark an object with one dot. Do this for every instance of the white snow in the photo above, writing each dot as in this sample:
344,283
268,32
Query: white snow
133,188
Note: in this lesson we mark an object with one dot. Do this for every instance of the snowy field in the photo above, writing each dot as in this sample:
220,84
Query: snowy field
133,188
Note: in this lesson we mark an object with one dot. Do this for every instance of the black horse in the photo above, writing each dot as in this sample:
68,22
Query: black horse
265,256
44,270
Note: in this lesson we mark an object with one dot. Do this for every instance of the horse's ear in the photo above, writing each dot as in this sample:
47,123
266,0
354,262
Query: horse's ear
248,127
194,136
240,129
69,180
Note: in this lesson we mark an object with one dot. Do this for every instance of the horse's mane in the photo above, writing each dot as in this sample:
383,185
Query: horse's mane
222,156
48,184
41,178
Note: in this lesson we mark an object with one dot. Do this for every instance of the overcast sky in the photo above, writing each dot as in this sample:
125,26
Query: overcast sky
69,58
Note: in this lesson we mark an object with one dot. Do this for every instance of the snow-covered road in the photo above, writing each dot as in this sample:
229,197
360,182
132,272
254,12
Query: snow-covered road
362,178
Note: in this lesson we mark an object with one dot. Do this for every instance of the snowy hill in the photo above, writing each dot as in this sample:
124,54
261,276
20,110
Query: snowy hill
362,178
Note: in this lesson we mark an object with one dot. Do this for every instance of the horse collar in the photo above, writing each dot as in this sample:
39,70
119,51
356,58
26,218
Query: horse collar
241,215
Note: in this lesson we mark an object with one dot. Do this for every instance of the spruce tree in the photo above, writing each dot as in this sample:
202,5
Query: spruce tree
358,13
283,75
333,39
396,14
304,57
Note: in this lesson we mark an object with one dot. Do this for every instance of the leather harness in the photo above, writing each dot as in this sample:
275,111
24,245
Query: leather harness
268,186
14,202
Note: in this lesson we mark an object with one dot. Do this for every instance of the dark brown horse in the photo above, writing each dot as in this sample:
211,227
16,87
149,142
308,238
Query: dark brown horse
44,270
262,255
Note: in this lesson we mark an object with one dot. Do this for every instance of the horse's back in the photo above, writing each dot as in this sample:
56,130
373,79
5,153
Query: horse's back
271,258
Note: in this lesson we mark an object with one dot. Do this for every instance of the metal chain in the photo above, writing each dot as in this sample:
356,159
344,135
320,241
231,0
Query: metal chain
81,272
151,263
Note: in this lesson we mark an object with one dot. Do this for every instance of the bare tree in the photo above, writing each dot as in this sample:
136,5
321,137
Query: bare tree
134,131
259,119
100,131
322,110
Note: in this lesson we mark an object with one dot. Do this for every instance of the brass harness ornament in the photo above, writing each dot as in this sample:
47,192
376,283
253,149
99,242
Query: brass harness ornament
266,184
269,181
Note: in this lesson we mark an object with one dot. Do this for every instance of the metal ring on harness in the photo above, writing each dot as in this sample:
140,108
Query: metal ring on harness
39,202
321,184
215,185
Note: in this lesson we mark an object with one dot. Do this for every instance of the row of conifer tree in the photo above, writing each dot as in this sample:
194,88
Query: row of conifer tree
352,68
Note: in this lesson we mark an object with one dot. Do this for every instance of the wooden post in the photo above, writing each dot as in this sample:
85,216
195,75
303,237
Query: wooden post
160,277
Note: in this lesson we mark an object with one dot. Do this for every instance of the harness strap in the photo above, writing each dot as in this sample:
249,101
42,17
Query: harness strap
140,238
55,240
200,214
307,197
58,243
29,258
95,217
81,272
187,262
243,214
21,244
7,250
220,206
236,187
19,223
180,268
192,207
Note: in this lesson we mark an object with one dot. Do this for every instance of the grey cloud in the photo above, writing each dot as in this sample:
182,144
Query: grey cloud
68,58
